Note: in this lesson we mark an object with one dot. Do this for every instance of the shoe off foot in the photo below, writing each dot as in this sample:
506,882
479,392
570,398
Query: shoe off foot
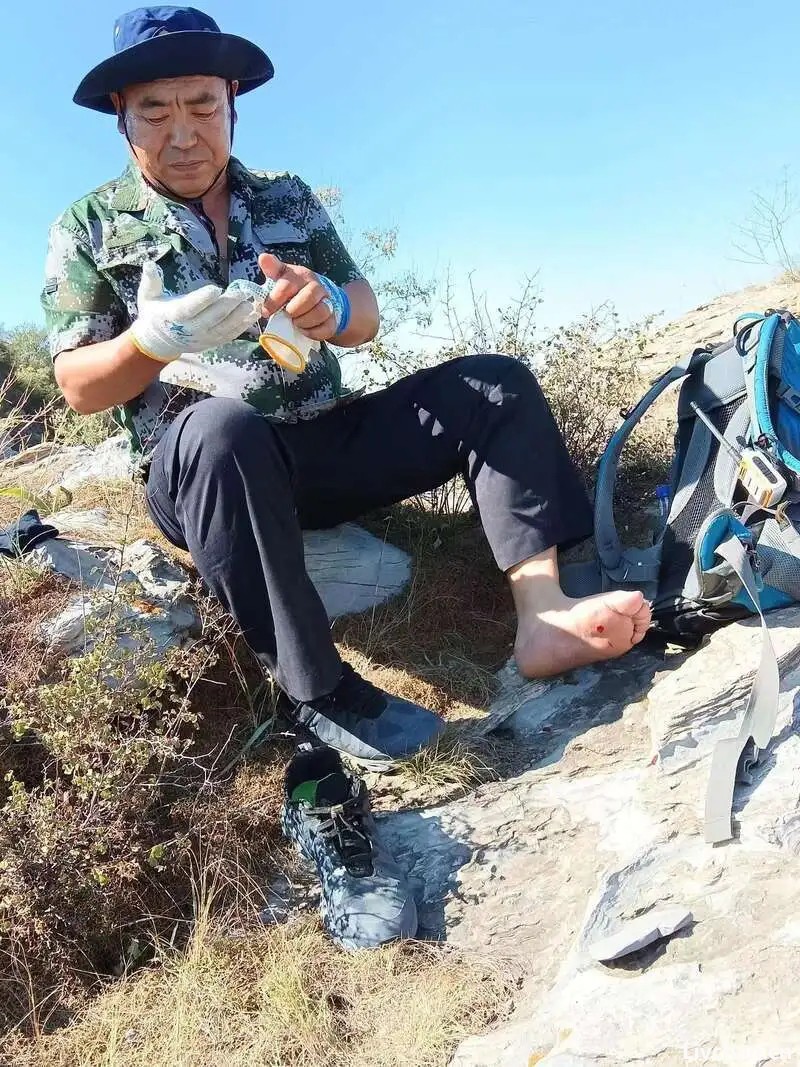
366,899
364,723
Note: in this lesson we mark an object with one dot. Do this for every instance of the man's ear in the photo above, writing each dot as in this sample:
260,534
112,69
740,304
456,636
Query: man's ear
233,89
116,100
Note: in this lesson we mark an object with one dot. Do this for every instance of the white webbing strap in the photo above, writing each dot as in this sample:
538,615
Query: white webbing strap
759,717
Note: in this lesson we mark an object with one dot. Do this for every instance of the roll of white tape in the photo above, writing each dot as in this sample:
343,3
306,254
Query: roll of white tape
285,344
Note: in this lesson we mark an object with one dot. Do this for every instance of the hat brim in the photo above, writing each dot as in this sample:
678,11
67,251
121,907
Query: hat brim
175,55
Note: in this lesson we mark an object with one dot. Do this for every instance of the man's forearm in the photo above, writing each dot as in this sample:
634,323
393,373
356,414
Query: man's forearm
109,373
364,316
103,375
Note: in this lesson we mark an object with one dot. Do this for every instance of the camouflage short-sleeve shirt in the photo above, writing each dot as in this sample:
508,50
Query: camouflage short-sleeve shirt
94,265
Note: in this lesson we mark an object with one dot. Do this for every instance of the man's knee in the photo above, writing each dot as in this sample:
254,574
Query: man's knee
221,426
496,376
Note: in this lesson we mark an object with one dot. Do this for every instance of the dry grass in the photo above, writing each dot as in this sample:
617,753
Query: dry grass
443,638
280,996
124,500
438,644
446,767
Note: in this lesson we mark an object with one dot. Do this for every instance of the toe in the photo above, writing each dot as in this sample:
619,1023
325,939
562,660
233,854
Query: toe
625,602
641,623
638,634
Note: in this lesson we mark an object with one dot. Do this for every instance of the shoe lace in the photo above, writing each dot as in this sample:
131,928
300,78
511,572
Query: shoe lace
342,825
353,694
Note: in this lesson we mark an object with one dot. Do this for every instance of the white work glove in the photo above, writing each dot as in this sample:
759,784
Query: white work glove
168,326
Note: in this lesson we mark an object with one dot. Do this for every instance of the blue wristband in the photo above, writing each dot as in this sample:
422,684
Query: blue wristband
340,302
345,314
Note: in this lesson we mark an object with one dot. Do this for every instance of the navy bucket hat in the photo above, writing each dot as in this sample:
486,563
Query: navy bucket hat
171,42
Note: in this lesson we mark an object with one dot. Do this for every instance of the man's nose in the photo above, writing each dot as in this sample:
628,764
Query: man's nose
183,134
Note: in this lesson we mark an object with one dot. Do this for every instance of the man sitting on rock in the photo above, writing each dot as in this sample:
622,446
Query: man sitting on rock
240,454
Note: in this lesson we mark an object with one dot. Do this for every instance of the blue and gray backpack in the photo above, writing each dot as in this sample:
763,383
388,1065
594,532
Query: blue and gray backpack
721,553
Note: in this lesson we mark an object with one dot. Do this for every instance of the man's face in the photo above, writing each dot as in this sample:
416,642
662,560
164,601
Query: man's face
180,129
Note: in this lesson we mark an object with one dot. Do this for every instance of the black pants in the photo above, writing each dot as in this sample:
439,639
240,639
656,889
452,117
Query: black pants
236,490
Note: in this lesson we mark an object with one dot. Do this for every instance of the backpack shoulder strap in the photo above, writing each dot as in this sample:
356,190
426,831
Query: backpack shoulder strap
620,566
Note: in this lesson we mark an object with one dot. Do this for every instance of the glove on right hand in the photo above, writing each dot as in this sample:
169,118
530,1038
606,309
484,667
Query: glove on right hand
168,326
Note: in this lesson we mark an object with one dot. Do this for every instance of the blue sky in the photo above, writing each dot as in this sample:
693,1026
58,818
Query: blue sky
612,147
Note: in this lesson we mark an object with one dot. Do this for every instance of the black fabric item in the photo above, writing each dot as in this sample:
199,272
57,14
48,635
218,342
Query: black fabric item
236,489
310,764
24,534
344,828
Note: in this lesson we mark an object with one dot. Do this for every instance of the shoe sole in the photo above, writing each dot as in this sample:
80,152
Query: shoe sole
302,733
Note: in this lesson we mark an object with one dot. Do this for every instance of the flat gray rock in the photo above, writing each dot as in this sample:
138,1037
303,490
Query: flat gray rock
139,624
71,465
352,570
695,708
148,590
89,567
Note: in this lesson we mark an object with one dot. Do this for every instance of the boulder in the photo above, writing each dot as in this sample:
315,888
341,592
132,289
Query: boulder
148,592
70,465
603,833
352,570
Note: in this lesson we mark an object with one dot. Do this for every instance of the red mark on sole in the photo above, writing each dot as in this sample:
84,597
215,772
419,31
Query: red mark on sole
601,629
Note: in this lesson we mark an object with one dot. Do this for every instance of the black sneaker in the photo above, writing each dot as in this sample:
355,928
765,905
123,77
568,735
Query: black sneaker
366,899
364,723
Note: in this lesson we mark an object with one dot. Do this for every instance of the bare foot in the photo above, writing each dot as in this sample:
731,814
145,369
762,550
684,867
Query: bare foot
577,632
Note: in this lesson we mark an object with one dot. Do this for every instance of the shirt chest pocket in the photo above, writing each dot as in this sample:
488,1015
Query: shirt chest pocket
128,242
123,254
282,239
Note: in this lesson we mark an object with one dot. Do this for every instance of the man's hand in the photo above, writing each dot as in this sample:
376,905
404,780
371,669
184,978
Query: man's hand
168,326
302,295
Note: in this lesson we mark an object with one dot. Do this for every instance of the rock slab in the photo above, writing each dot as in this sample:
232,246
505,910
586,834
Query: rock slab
604,830
51,464
352,570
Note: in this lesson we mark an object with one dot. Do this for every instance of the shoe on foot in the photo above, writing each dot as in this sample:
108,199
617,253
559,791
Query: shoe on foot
364,723
366,899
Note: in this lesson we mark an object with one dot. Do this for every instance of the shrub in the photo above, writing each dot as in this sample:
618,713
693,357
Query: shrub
24,354
82,835
589,370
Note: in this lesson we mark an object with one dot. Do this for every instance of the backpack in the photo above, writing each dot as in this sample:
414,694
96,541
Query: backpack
725,549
